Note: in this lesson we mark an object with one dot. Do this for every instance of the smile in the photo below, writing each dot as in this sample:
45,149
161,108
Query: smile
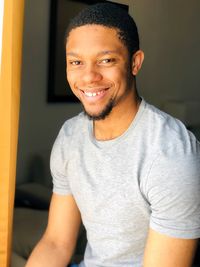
90,94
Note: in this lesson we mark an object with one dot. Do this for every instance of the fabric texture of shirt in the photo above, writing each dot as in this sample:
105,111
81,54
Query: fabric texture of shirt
147,177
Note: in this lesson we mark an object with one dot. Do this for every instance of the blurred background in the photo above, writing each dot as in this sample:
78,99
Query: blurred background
170,37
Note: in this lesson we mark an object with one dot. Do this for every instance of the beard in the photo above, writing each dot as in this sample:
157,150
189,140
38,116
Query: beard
103,114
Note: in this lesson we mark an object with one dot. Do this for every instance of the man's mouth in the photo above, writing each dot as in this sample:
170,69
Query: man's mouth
95,93
92,94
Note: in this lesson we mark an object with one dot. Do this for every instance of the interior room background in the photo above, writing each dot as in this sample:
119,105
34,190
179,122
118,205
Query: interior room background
170,37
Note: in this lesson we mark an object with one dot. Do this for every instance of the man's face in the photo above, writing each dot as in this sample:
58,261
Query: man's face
98,69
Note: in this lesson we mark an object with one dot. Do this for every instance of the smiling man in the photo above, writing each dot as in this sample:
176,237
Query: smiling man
101,72
129,171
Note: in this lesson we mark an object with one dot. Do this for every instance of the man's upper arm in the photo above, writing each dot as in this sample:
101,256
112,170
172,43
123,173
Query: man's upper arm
64,221
173,193
165,251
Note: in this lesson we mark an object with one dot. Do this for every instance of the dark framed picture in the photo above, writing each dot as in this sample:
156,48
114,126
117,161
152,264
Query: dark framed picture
60,14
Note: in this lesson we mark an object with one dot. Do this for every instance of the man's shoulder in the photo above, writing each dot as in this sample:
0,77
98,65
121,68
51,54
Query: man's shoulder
168,131
74,125
72,130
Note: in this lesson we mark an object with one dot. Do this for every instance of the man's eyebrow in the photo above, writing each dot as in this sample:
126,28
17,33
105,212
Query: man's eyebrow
104,52
107,52
72,54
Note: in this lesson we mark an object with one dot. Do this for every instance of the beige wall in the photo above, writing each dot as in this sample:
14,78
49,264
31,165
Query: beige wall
170,37
39,121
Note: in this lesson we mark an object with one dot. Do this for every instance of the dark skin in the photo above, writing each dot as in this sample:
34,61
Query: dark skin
103,73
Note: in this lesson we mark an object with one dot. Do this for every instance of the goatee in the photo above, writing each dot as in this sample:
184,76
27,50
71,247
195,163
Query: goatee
103,114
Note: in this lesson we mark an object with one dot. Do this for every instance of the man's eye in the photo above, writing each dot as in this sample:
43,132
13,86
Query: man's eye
107,60
75,62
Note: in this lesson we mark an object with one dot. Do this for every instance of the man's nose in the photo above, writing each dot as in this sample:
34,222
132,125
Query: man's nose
92,74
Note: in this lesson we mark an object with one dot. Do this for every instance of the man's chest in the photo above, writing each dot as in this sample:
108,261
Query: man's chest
108,187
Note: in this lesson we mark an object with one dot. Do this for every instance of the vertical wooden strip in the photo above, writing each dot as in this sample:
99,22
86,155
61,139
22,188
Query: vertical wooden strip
9,116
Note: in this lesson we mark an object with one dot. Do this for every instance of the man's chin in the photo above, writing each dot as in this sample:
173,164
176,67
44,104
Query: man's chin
94,117
100,115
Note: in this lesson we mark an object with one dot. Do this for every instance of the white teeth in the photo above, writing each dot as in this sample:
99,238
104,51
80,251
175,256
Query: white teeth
90,94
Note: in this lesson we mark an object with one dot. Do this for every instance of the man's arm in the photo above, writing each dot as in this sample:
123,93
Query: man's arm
58,242
165,251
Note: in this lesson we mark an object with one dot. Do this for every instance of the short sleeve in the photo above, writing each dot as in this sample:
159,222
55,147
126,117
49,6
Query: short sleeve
174,195
58,164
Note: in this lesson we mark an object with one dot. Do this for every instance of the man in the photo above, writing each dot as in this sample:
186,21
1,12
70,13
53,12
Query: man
128,170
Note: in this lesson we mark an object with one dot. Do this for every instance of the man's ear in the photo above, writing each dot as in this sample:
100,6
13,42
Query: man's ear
137,60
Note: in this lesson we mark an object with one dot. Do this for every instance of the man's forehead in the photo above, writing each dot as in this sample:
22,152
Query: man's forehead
92,33
87,28
95,40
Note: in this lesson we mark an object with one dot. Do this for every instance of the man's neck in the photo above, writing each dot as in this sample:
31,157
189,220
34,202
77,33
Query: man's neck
118,121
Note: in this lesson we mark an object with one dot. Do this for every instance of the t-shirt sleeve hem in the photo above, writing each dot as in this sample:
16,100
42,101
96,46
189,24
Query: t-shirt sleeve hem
61,192
176,233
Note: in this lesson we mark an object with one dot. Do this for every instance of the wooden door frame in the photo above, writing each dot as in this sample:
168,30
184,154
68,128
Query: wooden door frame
10,82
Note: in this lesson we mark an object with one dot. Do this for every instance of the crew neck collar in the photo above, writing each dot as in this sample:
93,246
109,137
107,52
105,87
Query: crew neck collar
107,143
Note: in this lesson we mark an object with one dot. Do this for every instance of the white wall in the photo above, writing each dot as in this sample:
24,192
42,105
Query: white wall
39,120
170,37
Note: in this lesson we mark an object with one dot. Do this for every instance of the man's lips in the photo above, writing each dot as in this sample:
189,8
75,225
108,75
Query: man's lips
94,92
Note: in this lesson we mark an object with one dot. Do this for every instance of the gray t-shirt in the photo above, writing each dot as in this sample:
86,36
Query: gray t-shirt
147,177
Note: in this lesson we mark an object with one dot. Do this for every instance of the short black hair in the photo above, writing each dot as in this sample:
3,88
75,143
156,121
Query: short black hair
112,16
